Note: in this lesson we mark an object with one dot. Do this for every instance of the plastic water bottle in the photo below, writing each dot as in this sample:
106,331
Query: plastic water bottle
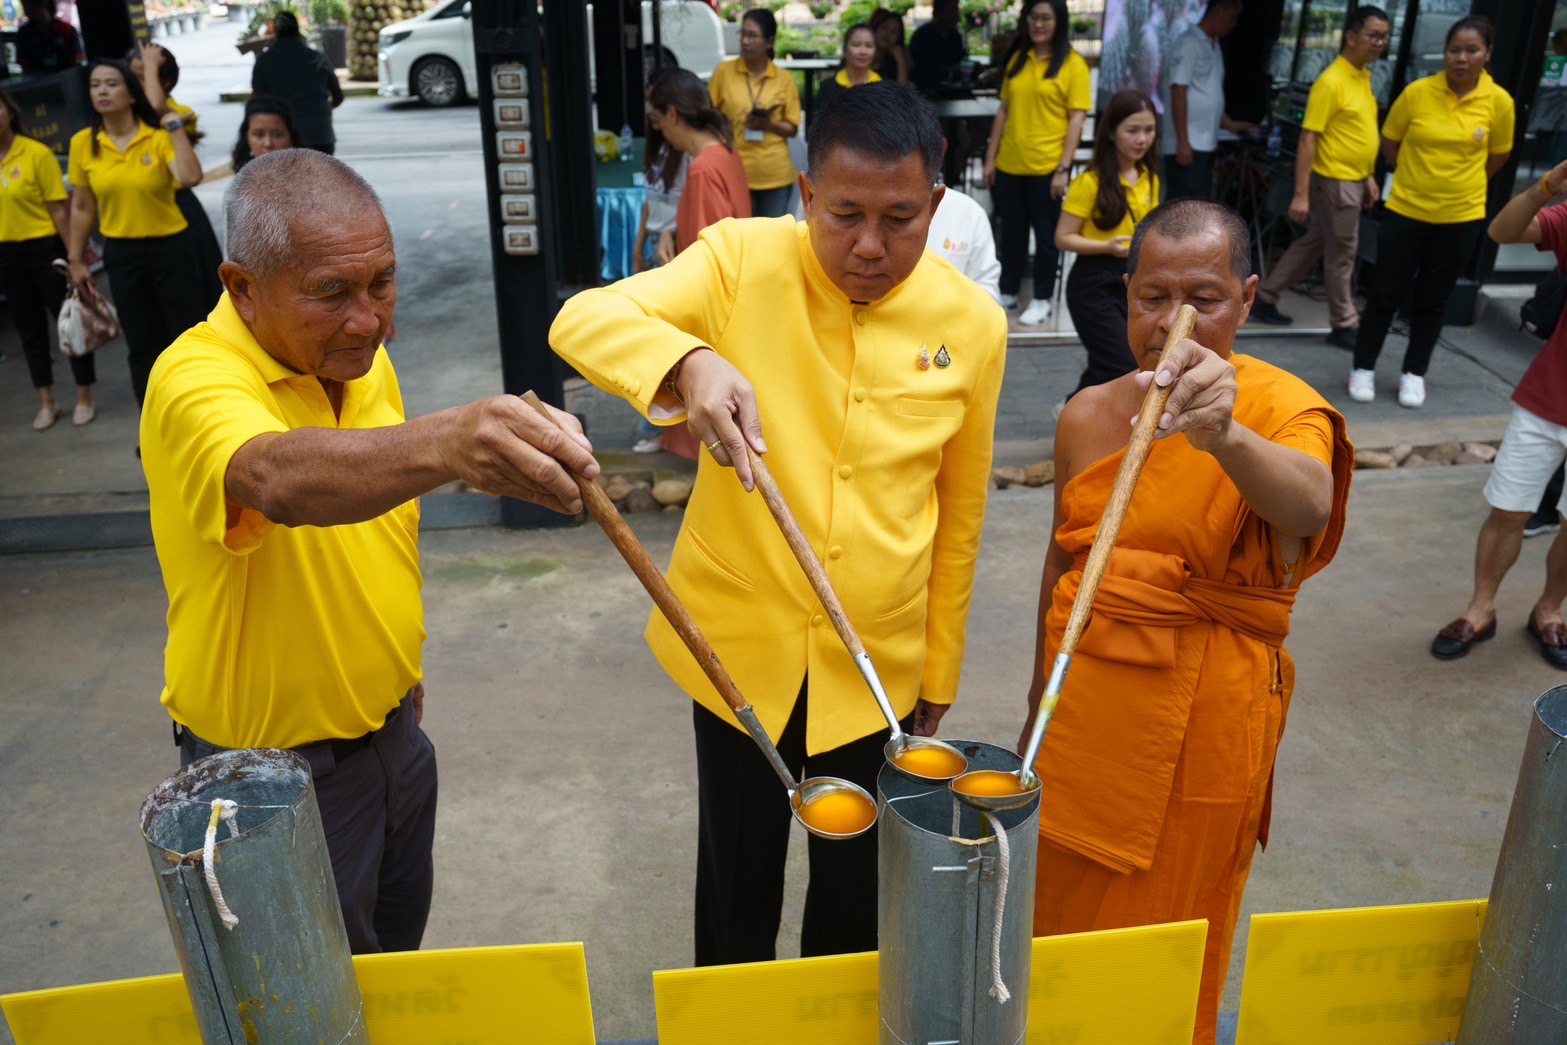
1275,139
625,143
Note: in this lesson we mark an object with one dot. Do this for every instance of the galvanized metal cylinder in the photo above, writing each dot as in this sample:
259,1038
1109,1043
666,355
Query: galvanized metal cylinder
284,972
1518,990
938,891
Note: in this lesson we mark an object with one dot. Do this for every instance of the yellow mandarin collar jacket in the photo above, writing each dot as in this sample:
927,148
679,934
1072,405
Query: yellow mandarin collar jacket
885,462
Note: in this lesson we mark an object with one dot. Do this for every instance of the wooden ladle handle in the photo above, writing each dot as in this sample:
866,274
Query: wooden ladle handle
603,509
1137,450
767,486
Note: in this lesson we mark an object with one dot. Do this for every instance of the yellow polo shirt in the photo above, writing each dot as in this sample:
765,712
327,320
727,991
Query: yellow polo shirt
1342,112
884,461
1446,141
29,180
735,91
842,79
278,635
1083,194
135,189
1037,113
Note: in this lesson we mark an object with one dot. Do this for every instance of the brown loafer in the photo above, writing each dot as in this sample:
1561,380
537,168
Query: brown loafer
1454,640
1553,642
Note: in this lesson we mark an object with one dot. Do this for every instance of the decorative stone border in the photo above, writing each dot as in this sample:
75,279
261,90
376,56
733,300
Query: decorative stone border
1404,455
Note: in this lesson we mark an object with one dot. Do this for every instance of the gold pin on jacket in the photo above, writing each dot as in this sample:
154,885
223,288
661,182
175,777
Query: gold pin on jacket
942,359
923,359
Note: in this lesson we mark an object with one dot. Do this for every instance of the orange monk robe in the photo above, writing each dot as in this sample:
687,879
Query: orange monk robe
1158,764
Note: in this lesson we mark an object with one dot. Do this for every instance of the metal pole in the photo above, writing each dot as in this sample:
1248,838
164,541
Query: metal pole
283,973
1518,990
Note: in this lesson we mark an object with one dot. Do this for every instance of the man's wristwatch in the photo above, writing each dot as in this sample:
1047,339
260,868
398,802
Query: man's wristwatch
174,125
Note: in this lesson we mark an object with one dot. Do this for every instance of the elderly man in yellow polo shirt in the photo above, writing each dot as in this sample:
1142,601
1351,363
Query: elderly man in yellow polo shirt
875,368
1334,182
283,479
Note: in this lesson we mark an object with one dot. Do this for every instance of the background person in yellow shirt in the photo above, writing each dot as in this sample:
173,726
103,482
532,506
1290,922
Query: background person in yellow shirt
124,167
859,50
33,219
282,478
1101,212
1334,166
875,367
1044,98
1446,135
763,106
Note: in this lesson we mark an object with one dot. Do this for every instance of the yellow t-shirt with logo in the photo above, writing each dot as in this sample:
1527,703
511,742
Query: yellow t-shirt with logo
1342,112
1445,142
135,189
278,635
29,181
1037,113
736,92
1083,194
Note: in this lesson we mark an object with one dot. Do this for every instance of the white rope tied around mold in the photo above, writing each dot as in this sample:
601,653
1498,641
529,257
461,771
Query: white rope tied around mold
998,990
222,809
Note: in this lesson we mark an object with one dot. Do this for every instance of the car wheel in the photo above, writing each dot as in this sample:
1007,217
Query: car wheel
437,82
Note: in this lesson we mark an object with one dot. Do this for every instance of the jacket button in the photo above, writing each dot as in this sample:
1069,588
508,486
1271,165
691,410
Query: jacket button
835,552
816,621
859,316
845,471
859,395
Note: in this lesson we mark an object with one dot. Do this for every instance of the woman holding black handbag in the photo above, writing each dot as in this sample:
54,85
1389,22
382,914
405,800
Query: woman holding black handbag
33,220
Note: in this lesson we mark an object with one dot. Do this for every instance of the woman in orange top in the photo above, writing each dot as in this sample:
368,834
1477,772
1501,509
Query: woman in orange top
716,187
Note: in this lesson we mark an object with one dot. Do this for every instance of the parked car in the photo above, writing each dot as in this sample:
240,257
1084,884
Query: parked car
430,56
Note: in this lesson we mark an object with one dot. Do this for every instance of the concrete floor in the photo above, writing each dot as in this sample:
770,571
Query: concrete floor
567,785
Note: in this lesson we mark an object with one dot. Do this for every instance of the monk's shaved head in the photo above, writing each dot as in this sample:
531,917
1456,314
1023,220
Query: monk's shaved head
1187,218
274,194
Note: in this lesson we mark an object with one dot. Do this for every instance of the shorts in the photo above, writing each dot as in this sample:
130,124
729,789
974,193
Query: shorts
1532,449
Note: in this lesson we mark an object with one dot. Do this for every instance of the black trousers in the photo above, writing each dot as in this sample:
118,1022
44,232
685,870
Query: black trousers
1420,257
34,292
1096,298
743,838
377,806
1196,180
208,252
159,292
1023,203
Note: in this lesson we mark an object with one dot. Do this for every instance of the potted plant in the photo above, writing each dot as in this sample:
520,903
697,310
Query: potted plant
330,17
258,33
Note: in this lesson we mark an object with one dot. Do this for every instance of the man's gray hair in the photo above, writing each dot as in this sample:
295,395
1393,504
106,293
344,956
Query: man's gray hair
271,191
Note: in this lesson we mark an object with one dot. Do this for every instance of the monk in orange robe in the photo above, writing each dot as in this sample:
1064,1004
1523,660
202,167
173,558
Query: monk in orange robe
1158,763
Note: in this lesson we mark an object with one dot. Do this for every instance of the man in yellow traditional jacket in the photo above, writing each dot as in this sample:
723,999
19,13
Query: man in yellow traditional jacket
874,369
1158,763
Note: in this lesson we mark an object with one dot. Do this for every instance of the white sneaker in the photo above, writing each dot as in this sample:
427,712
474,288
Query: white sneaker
1009,301
1411,391
1036,313
1363,385
651,445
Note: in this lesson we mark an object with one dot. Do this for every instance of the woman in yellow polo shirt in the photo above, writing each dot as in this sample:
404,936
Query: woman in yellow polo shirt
859,51
124,167
1044,97
159,72
763,106
1102,209
33,217
1446,135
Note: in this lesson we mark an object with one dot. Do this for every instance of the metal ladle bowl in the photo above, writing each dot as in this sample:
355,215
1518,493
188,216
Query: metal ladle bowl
815,787
902,742
998,803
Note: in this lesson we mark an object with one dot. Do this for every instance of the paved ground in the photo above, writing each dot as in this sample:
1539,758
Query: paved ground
567,799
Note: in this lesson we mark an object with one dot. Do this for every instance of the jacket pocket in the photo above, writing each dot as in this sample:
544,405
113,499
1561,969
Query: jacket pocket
930,407
717,563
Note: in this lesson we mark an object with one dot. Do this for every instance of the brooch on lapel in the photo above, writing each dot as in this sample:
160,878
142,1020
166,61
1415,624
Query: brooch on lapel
923,359
942,359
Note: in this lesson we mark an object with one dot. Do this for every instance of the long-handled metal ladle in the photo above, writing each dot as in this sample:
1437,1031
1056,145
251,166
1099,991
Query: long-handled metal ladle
802,794
1020,788
947,761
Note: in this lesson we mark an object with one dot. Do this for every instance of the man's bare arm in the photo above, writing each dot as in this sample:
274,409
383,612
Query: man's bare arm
1516,222
327,477
1287,489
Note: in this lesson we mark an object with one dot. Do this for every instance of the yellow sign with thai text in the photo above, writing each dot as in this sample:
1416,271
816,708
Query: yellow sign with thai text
1366,976
471,996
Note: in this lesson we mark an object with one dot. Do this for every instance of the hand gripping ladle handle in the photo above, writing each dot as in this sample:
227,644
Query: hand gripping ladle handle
817,574
625,541
1137,450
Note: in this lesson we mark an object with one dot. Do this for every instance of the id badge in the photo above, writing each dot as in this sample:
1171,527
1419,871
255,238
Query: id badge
754,135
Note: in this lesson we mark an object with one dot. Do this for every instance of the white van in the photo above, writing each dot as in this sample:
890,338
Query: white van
430,56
